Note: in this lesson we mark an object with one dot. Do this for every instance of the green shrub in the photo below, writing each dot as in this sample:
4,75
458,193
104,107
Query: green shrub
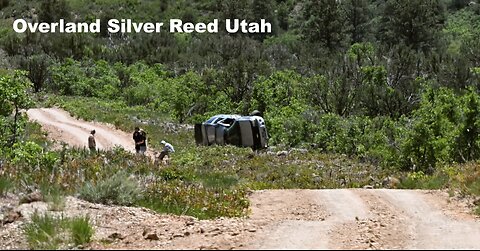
54,197
50,233
183,198
5,185
474,187
81,230
431,138
43,232
118,189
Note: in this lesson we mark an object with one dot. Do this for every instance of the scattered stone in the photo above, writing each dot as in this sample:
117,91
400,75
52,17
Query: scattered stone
390,182
251,230
32,197
146,231
11,217
152,237
215,229
477,202
368,187
282,153
177,236
116,236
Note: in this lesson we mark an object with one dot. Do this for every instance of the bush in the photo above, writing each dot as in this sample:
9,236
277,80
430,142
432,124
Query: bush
81,230
43,232
118,189
5,185
48,232
433,132
418,180
54,197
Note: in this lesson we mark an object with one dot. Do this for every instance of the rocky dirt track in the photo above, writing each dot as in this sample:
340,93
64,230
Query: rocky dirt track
279,219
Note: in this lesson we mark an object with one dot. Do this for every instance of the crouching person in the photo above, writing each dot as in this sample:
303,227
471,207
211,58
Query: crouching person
167,149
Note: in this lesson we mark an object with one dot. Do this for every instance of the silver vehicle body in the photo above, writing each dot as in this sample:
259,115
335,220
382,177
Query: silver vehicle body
247,131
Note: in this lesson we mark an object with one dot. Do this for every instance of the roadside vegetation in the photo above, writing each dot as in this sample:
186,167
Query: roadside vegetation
344,107
48,232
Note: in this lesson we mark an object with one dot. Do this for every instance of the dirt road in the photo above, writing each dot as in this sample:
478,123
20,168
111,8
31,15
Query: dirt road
64,128
294,219
363,219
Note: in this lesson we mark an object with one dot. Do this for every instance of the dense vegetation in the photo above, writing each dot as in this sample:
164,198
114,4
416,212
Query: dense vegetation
370,88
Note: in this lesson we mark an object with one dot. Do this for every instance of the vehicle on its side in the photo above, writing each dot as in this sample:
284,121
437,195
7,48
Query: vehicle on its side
246,131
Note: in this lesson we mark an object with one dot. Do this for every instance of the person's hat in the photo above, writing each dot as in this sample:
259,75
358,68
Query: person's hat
92,131
163,142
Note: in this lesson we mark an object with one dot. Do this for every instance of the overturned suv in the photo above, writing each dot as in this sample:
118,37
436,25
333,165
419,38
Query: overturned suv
246,131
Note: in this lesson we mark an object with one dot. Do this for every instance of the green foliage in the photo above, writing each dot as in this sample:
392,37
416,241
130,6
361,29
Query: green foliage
54,196
477,210
357,13
193,199
118,189
433,131
418,180
14,87
81,230
281,89
414,23
468,141
53,10
52,233
68,78
5,185
43,232
289,124
324,23
4,3
336,77
37,67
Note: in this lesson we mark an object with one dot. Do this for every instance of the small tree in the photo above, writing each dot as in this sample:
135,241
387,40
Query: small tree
37,67
14,96
468,141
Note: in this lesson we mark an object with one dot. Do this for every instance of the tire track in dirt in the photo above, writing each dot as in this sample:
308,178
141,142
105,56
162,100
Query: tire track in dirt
367,219
432,227
62,127
312,234
382,228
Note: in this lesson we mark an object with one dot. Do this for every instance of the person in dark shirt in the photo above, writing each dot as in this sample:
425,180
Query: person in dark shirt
92,145
140,138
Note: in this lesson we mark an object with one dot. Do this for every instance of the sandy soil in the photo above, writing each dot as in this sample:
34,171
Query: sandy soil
279,219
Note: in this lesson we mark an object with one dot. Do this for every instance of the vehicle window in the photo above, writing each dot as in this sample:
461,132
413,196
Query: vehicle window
210,121
228,121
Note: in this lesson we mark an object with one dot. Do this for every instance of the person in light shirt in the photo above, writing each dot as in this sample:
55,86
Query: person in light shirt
167,149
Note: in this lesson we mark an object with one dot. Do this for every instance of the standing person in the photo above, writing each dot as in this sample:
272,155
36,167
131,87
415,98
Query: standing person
167,149
140,138
92,144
